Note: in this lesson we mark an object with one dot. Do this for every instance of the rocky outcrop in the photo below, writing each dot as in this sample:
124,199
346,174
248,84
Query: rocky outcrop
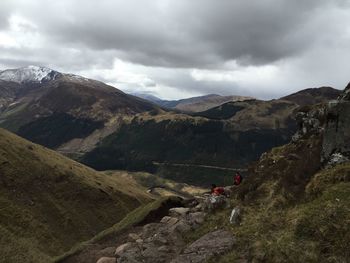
310,121
332,122
346,94
163,241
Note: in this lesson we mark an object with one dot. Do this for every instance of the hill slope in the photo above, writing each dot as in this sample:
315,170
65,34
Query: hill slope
49,203
182,139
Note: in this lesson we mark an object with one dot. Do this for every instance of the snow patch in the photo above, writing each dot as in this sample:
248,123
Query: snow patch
76,77
28,74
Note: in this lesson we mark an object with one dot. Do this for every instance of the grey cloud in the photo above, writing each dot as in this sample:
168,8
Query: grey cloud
59,58
199,33
308,41
6,8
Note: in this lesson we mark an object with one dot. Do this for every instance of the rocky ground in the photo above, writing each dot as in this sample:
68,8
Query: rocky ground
163,241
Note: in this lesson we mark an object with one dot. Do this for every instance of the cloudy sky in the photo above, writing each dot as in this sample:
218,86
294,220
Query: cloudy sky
182,48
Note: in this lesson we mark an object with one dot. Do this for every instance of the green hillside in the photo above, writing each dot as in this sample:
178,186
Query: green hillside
137,145
50,203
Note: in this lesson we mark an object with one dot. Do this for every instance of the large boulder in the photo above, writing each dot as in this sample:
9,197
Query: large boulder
179,211
235,217
212,202
169,220
181,227
197,218
120,250
214,243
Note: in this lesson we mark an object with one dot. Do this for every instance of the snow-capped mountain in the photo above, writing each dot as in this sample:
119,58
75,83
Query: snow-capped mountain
29,74
52,108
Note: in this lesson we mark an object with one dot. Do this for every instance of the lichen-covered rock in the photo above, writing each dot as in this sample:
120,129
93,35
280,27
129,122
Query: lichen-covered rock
107,260
235,217
197,218
213,202
131,255
169,220
179,211
162,242
198,208
122,248
133,237
214,243
337,158
310,122
182,226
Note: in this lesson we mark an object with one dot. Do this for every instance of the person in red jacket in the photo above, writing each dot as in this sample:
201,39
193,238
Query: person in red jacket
237,179
217,190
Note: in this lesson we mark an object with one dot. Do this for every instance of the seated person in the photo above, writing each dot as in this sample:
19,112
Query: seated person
217,190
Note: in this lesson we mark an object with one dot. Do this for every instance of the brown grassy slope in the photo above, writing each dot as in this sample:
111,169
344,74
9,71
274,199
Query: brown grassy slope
49,203
313,96
198,104
280,176
291,210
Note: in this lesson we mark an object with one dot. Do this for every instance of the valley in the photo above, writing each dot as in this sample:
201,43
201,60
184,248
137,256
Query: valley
150,159
106,129
294,206
180,131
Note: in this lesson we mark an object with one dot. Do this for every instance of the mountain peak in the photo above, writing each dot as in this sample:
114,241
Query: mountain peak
29,74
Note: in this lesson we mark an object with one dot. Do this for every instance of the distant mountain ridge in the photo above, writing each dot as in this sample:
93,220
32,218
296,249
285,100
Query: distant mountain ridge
313,95
194,104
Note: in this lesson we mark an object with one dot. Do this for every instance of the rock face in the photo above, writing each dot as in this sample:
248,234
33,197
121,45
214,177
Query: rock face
336,139
332,122
214,243
346,93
